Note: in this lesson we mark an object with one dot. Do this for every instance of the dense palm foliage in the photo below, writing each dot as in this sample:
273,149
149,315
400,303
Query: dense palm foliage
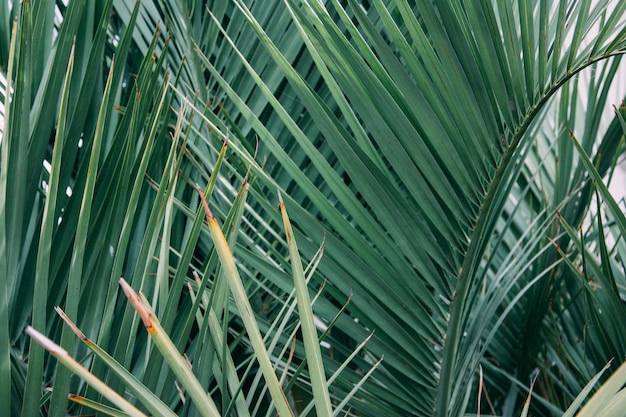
449,157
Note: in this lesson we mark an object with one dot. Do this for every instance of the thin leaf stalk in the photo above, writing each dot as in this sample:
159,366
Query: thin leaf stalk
40,293
245,310
230,370
309,331
62,382
5,346
133,204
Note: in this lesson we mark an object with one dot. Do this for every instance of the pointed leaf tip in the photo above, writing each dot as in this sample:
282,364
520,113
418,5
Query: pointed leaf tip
70,323
46,343
137,304
280,198
209,213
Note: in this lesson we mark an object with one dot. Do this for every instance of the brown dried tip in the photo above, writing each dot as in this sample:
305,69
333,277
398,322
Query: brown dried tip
70,323
137,304
209,213
79,399
558,214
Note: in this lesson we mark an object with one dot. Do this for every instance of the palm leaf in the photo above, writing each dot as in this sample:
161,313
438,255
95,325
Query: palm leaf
423,192
428,145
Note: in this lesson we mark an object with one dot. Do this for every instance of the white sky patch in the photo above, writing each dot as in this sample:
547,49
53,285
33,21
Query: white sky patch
47,166
3,87
618,182
616,95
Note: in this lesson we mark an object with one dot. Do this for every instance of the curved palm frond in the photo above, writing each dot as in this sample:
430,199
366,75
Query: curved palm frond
411,152
427,144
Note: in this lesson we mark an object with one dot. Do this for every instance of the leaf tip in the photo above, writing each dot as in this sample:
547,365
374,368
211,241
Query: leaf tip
137,304
205,204
46,343
70,323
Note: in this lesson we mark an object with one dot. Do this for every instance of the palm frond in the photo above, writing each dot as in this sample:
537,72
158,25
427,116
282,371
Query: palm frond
427,144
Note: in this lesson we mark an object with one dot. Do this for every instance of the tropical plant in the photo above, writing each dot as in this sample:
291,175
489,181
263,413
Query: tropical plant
450,155
110,196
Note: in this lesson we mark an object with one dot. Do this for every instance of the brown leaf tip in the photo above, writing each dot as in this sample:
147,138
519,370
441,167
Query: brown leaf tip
137,304
205,204
70,323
